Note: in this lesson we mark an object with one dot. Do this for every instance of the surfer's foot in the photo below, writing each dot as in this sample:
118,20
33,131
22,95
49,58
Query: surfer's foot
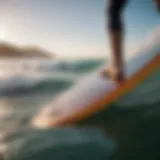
114,74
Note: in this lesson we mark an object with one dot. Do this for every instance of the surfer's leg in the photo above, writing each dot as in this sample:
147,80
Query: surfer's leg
157,3
116,31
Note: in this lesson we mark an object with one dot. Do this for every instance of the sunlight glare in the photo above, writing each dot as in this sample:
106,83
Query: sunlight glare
2,35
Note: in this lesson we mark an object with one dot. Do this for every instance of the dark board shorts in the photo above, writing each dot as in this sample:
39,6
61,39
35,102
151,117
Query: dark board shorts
114,11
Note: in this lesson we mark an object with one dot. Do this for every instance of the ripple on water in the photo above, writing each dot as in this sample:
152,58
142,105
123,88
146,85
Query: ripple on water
68,143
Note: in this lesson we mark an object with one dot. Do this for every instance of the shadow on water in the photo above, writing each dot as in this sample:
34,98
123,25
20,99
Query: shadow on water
137,131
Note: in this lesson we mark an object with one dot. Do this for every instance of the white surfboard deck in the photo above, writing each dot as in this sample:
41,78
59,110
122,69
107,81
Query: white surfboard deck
93,87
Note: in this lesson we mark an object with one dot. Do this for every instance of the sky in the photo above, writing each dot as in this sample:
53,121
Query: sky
72,28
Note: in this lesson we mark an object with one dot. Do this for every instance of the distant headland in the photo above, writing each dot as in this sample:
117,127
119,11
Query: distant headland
13,51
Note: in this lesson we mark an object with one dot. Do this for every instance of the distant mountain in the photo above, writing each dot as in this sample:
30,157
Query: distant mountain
12,51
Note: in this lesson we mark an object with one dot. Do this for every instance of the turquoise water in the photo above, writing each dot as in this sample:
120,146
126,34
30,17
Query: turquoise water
32,85
18,141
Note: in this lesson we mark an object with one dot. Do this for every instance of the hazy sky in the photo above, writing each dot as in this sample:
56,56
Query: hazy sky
72,27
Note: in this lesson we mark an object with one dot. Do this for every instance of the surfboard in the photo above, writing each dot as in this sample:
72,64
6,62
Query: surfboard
95,94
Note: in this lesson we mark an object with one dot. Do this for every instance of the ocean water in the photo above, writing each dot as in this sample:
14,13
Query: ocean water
26,85
24,90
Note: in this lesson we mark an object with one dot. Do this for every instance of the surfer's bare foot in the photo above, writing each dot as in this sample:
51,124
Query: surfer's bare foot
116,75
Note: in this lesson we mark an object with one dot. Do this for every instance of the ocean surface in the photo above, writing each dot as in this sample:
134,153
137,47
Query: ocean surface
26,85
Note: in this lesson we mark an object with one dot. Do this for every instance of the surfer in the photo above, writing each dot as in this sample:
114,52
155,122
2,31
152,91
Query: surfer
114,13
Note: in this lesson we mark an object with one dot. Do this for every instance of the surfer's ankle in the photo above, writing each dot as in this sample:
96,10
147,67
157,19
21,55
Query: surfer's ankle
120,77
